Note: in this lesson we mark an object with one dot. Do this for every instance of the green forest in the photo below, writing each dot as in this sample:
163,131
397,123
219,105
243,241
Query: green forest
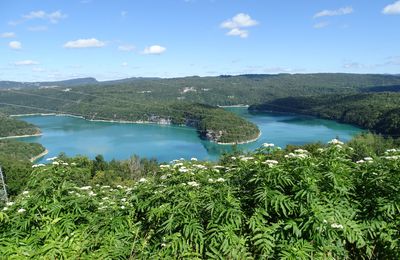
12,127
319,201
379,112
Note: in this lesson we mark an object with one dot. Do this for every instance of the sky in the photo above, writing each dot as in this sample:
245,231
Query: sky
47,40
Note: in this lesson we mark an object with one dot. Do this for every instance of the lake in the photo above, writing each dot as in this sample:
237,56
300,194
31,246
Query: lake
75,136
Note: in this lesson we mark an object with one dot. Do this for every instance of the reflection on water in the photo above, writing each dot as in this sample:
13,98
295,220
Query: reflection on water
77,136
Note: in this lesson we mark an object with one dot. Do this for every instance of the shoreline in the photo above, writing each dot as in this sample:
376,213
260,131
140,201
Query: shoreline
244,142
35,158
240,105
128,122
19,136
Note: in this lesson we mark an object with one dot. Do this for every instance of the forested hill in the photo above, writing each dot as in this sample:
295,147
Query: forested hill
375,111
233,90
13,127
63,83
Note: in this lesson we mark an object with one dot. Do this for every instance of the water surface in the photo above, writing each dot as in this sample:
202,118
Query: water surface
75,136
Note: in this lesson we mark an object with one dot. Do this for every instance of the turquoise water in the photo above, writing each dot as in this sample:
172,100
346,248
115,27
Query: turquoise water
75,136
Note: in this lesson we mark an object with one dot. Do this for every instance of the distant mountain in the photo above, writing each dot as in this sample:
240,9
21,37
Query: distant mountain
63,83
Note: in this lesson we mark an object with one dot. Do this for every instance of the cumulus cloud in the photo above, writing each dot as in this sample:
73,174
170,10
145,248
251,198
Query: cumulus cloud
238,32
26,63
7,35
321,25
237,23
15,45
84,43
127,47
154,49
392,8
337,12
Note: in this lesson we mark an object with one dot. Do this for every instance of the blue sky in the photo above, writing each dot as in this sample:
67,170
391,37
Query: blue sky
44,40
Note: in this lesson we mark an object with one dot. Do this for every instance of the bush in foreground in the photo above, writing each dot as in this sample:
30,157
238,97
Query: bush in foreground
268,204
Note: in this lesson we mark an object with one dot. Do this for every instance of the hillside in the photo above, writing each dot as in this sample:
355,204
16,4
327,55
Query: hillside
62,83
12,127
379,112
296,204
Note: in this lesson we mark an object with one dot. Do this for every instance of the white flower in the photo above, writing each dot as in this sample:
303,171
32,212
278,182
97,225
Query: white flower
394,157
193,184
92,194
37,165
25,192
335,141
368,159
123,199
338,226
211,180
268,145
65,164
122,207
104,207
300,151
142,180
73,164
164,166
5,208
51,159
10,203
360,161
85,188
233,158
220,180
55,163
200,166
300,155
193,159
21,210
119,186
71,192
178,164
324,221
105,187
247,158
183,169
163,245
105,198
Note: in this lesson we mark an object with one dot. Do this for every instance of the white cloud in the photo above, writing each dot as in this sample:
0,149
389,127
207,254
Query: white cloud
239,21
7,35
53,17
84,43
337,12
124,64
37,28
238,32
392,8
236,23
15,45
26,63
321,25
127,47
154,49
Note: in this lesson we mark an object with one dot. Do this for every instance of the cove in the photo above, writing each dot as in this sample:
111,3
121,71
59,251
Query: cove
76,136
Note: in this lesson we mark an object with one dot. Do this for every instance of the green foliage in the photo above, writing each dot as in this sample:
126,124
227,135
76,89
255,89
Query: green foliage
379,112
293,204
12,127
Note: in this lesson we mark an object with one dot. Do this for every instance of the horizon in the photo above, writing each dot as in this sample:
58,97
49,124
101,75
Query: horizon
52,41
